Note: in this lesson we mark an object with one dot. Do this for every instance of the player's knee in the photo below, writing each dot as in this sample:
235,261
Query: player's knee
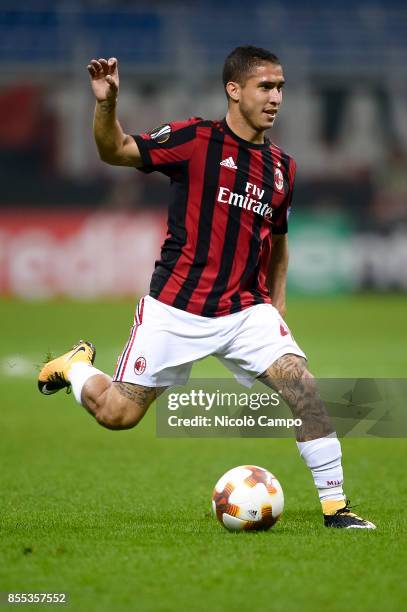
300,370
121,414
296,368
306,375
118,419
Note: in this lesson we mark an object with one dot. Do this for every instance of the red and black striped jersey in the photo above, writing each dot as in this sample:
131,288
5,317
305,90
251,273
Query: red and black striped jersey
229,197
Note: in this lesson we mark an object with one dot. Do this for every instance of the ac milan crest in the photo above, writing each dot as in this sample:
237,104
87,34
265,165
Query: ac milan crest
278,179
140,365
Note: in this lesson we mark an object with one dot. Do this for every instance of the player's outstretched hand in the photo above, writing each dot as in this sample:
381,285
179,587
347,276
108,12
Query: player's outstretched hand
104,77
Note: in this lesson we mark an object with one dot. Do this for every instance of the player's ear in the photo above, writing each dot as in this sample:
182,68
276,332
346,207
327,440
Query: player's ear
233,90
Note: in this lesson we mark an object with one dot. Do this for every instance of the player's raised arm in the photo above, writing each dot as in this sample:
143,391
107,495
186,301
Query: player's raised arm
114,146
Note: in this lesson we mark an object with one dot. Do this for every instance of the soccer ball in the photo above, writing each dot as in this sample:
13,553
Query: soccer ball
247,497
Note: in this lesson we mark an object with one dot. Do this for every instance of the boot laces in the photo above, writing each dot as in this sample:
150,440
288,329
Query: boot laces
347,510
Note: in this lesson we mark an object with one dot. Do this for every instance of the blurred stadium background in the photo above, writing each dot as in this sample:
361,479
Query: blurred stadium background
83,508
73,226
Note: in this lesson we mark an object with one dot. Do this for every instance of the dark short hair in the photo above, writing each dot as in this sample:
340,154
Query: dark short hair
241,61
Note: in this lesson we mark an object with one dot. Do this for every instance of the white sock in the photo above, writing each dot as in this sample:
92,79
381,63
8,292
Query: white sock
323,457
78,374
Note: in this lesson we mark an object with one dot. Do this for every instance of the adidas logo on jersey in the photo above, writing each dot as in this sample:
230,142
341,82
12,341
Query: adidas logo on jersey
229,163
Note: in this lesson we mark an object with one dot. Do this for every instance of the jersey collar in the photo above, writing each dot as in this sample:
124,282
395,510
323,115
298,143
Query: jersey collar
242,141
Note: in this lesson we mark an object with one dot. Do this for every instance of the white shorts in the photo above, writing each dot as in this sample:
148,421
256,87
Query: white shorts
165,342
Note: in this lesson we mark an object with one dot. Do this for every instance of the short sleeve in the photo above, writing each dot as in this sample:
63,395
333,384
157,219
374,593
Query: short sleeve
280,218
167,147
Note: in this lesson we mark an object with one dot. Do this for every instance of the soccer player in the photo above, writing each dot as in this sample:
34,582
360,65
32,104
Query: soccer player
219,286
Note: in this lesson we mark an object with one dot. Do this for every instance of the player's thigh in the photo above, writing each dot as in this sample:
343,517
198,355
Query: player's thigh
262,338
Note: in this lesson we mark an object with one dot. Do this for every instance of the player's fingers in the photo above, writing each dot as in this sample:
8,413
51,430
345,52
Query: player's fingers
112,66
91,70
103,63
97,66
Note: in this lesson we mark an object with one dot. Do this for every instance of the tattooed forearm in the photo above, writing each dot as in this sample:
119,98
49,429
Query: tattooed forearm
290,378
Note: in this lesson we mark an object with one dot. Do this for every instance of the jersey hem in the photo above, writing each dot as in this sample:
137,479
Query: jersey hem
266,300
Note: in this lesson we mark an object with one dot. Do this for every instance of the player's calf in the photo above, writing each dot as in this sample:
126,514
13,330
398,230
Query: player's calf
120,405
290,377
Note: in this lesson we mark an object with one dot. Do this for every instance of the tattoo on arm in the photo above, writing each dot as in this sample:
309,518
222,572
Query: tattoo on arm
107,106
290,378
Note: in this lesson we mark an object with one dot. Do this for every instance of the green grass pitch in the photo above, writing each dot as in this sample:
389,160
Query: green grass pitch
121,521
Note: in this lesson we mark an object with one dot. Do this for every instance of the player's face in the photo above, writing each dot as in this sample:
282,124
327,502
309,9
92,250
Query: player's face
261,95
